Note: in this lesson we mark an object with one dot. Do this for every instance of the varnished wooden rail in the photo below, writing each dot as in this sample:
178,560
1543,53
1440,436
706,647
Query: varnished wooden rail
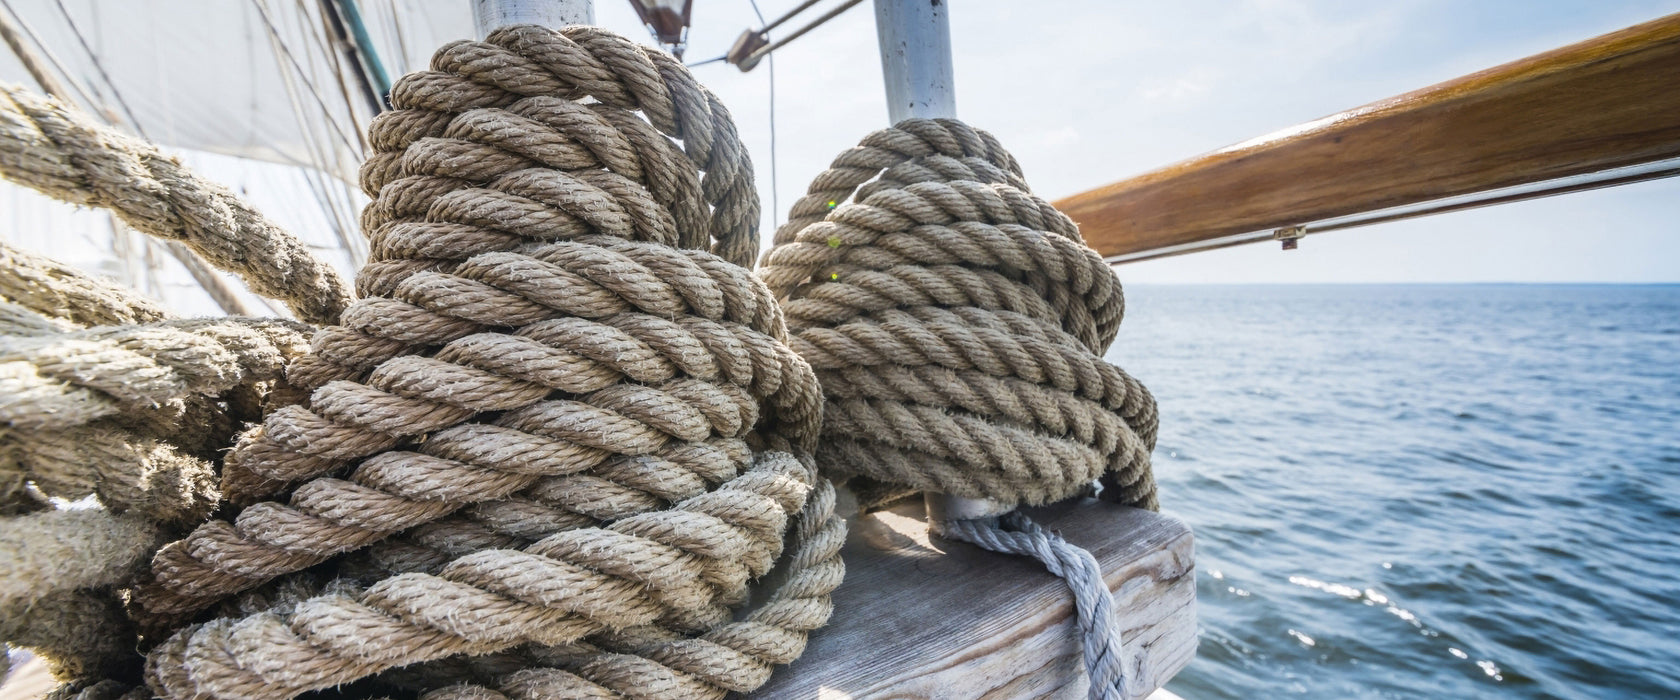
1600,112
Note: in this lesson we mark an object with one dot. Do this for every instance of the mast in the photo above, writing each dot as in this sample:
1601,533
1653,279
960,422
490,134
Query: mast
554,14
915,38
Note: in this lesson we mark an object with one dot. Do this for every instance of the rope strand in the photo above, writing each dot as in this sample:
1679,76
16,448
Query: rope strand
1016,534
53,148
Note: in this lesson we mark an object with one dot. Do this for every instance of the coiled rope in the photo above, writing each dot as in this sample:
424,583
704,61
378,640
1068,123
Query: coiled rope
51,147
550,368
956,323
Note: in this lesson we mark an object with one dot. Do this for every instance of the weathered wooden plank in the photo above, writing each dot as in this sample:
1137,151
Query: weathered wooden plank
926,618
1605,103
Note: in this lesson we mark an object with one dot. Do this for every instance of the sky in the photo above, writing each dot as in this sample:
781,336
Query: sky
1087,93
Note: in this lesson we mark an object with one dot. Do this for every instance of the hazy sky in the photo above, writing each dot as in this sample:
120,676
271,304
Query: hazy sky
1086,93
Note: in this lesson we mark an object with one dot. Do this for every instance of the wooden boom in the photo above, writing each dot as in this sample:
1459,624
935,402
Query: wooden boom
1604,105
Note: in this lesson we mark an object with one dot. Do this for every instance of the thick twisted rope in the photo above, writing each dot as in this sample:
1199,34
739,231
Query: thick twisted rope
557,591
67,550
545,333
653,661
70,379
590,312
58,291
81,634
56,588
1093,603
956,322
51,147
20,320
99,690
128,472
133,414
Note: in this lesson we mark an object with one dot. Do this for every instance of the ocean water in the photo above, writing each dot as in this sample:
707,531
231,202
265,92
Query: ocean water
1409,491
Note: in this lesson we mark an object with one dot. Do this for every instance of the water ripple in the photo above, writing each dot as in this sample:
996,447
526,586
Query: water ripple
1422,491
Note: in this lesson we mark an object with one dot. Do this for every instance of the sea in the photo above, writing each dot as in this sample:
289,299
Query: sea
1421,491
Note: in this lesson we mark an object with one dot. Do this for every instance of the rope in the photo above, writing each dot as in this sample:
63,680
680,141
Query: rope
20,320
70,379
66,550
562,399
1093,603
561,589
55,590
956,322
53,148
125,471
58,291
81,634
135,414
615,665
99,690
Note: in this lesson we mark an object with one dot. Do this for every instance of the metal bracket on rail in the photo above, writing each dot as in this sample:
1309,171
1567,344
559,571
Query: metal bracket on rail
1290,235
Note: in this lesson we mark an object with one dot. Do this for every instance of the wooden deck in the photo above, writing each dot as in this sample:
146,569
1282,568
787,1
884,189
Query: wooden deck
921,618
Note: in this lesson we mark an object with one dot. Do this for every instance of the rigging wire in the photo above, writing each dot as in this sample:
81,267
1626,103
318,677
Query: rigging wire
785,17
67,78
100,66
342,207
373,71
336,211
335,66
402,40
819,21
303,76
775,203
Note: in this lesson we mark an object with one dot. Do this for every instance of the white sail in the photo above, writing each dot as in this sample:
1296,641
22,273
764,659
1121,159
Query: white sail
274,84
263,79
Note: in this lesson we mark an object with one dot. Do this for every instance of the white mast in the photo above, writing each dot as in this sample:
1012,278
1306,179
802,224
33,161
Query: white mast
915,37
491,14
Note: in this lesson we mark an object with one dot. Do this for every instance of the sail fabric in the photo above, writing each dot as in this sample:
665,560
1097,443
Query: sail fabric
260,79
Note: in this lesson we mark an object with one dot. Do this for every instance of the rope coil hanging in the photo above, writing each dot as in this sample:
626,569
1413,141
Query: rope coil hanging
556,418
956,322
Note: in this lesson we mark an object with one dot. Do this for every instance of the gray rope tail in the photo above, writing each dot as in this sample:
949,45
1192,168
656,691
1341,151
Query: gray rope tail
1104,662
